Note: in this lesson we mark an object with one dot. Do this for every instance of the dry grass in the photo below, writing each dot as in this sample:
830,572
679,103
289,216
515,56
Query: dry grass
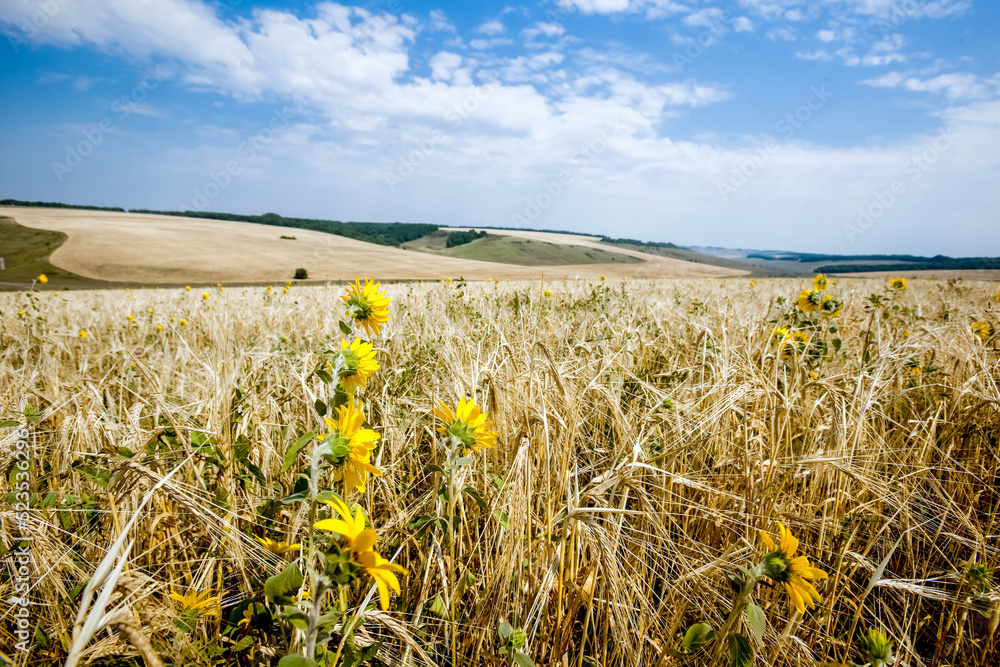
613,515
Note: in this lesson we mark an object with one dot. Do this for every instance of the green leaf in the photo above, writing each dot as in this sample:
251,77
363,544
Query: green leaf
757,622
242,644
467,581
283,585
320,407
836,344
477,497
505,630
256,472
324,376
294,449
438,607
345,328
740,651
433,467
523,659
10,423
296,616
296,661
696,637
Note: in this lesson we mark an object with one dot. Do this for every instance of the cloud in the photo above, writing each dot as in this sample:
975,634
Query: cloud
742,24
492,27
955,86
439,21
597,6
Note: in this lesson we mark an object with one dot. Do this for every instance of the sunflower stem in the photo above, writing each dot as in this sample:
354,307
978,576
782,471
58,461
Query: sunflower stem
742,600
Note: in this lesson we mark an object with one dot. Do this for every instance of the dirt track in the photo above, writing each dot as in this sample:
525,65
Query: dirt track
137,248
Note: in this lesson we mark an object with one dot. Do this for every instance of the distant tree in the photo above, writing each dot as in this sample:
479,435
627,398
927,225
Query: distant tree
301,274
461,238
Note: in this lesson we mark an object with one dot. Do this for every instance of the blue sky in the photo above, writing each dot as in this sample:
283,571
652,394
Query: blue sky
856,126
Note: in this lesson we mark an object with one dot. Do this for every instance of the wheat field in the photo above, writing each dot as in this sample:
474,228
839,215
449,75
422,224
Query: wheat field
647,431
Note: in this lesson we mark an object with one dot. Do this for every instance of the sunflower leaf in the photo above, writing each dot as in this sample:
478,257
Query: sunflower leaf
522,659
477,497
344,328
740,651
281,586
757,622
294,449
696,637
296,661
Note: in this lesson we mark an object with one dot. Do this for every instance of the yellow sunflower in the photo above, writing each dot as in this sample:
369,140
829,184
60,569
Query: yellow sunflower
361,542
198,602
467,427
809,301
778,335
358,364
783,566
897,283
821,282
981,330
796,341
830,306
351,446
368,306
276,547
42,278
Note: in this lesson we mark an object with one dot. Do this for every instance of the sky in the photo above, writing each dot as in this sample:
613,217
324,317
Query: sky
841,126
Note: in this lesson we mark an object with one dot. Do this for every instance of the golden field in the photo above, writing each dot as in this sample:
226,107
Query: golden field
647,431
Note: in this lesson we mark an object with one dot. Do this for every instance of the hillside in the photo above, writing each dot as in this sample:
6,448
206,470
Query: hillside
508,249
133,249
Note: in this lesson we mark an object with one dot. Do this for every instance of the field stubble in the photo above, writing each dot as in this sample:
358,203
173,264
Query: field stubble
647,431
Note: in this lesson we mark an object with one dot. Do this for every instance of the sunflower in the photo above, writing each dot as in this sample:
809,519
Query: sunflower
467,427
547,293
83,333
778,335
878,647
351,446
198,602
821,282
781,565
42,278
357,364
796,341
897,284
361,542
981,330
368,306
830,306
276,547
809,301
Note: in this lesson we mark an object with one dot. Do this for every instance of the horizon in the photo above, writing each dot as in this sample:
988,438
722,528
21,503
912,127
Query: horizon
856,127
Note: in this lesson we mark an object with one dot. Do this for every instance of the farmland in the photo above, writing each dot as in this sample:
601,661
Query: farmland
646,432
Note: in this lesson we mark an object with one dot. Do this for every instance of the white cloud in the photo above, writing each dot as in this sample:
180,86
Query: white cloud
492,27
743,24
444,64
439,21
955,86
596,6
